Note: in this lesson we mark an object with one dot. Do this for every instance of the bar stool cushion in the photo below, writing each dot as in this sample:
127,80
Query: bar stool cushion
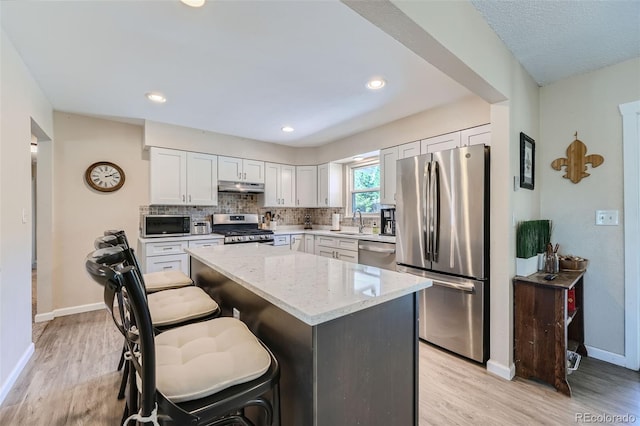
203,358
179,305
164,280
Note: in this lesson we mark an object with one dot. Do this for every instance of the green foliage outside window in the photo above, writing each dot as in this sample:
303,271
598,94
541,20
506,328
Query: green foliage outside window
366,189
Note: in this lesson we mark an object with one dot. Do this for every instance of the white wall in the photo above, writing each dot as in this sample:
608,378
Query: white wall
81,213
588,104
21,101
177,137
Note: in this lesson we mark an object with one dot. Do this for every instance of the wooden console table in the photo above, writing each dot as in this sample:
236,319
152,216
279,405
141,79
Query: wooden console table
544,329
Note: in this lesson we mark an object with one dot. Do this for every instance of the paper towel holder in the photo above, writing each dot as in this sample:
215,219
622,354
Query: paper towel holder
335,222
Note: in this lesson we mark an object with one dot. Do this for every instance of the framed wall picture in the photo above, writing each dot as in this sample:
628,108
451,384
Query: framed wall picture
527,161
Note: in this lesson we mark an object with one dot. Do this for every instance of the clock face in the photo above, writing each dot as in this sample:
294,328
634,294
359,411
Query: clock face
104,176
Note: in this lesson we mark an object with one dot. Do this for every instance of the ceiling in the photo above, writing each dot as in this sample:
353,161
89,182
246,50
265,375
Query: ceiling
248,68
557,39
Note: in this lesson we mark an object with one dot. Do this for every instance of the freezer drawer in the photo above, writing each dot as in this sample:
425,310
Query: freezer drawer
452,316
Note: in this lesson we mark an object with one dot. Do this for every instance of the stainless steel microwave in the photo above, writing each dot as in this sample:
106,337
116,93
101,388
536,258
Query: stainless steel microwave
165,225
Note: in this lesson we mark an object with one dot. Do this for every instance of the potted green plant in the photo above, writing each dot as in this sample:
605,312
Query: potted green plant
532,237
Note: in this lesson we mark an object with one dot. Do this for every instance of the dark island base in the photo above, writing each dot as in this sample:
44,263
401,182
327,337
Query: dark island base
360,369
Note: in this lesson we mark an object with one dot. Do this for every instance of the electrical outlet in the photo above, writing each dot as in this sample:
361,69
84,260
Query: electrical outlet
607,217
236,313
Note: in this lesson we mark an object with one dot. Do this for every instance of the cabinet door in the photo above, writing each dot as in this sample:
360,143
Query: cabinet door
325,252
309,244
480,135
253,171
347,256
440,143
287,185
407,150
202,179
168,176
330,185
297,243
306,186
271,184
229,168
388,158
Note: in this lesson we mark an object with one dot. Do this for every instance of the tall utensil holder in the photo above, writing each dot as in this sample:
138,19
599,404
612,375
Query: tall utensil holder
551,263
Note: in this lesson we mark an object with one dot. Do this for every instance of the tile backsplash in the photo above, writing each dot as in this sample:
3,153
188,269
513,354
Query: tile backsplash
248,203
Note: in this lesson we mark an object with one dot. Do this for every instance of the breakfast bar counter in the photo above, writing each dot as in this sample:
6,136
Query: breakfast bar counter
345,334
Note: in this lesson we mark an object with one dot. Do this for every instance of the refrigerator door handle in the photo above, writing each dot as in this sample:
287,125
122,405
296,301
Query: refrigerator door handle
435,202
427,212
462,287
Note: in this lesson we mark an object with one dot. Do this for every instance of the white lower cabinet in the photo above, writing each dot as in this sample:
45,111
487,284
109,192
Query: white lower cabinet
309,244
338,248
165,256
170,255
297,242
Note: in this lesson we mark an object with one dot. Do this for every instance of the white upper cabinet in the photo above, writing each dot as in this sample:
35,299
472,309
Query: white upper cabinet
388,158
240,170
183,178
279,186
407,150
330,185
306,186
480,135
440,143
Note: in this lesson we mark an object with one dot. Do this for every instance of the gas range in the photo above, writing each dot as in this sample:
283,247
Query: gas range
240,228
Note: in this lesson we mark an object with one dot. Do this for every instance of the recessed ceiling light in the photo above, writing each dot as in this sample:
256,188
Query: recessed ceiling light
288,129
193,3
156,97
376,83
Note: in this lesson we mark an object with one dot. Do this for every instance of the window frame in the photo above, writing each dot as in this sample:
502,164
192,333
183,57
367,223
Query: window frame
350,189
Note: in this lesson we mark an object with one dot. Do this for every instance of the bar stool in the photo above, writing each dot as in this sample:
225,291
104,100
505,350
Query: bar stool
204,373
173,301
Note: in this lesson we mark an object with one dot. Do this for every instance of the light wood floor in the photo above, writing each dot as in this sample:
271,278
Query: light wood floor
71,380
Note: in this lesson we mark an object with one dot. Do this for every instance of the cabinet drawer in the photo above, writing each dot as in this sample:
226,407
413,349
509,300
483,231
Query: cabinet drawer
323,241
281,240
173,262
347,255
205,243
347,244
159,249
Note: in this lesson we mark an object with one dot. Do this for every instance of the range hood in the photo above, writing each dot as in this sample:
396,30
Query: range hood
231,186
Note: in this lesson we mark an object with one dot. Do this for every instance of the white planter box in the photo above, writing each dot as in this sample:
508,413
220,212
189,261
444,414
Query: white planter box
525,267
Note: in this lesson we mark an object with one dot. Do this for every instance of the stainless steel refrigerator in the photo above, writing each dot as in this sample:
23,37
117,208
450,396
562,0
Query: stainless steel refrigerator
442,232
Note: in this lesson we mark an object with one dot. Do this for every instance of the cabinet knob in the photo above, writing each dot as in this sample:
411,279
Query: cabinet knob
189,197
245,176
326,201
183,199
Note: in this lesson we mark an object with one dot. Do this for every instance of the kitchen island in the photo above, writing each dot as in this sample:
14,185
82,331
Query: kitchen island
345,334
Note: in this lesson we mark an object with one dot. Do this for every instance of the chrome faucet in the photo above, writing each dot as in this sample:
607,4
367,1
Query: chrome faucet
361,224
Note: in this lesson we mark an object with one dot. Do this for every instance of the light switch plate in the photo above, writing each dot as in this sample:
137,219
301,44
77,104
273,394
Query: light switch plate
607,217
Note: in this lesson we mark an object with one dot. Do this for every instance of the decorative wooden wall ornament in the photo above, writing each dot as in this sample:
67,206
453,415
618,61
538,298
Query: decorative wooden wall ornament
576,161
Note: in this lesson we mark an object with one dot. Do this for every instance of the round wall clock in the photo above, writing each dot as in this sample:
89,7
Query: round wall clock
104,176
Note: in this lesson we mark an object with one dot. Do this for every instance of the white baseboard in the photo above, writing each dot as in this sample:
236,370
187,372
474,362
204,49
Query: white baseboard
48,316
500,370
11,380
606,356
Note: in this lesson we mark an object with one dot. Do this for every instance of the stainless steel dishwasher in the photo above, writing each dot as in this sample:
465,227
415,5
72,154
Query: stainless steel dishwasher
379,254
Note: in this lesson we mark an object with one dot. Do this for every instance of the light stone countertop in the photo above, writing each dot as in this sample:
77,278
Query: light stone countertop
312,288
344,233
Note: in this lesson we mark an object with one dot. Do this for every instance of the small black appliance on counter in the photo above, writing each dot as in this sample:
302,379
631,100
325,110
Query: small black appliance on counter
388,221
